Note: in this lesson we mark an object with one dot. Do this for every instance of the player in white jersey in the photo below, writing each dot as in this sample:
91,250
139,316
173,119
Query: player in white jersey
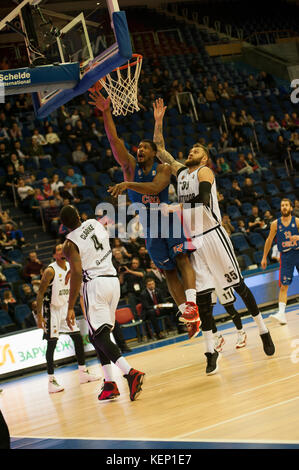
51,312
202,220
87,248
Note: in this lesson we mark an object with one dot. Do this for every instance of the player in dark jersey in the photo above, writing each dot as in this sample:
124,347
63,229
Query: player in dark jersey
147,183
286,231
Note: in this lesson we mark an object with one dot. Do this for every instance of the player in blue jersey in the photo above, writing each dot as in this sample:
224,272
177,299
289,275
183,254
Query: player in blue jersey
147,183
286,231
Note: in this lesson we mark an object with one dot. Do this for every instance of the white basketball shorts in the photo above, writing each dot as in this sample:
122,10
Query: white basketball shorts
215,263
101,296
56,322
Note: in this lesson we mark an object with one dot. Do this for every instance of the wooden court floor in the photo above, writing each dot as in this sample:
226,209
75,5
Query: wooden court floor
252,398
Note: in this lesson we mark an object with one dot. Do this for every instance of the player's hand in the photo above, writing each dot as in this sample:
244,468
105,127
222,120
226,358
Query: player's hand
70,318
264,263
294,238
159,109
98,100
117,189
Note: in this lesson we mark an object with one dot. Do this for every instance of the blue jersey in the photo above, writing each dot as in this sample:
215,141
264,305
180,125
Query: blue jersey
284,233
149,202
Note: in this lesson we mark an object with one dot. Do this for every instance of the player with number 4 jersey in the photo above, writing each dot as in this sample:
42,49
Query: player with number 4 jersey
88,252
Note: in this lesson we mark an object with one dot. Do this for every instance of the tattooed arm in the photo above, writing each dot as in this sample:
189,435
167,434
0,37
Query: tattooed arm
162,154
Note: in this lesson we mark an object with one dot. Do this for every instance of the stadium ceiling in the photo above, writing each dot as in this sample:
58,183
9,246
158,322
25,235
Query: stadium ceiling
82,5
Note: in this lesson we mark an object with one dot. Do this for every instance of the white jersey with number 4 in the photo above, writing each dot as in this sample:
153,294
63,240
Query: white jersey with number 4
93,244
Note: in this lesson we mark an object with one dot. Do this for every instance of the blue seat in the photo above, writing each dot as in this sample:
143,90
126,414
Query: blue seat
272,189
286,187
267,175
22,311
105,179
246,209
256,240
263,205
5,321
233,212
12,274
239,242
15,255
275,203
86,193
281,173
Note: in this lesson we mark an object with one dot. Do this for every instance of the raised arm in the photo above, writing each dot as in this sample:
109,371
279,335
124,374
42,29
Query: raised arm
121,154
162,154
268,243
160,182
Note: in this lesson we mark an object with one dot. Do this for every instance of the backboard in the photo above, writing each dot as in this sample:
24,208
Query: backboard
66,54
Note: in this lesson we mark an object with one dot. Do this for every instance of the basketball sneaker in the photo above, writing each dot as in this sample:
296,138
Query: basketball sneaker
85,376
241,340
135,379
279,317
193,329
212,362
54,387
268,345
109,391
219,342
190,313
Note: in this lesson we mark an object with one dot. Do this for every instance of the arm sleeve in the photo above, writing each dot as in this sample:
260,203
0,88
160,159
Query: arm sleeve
204,194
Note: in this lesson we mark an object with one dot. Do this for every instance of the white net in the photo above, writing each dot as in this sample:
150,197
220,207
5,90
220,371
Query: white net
122,87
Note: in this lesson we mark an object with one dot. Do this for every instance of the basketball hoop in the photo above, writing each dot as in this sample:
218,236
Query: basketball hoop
121,86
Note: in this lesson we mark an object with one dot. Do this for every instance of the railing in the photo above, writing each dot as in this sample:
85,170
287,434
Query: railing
289,164
277,33
190,96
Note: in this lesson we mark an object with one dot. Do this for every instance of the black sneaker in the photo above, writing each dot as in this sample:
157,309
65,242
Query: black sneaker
135,379
212,365
268,344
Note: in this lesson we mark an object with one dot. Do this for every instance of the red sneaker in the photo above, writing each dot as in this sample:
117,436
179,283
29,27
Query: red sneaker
193,329
109,391
190,313
135,380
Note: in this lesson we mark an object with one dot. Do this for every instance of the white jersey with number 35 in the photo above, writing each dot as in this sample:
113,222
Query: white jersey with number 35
93,244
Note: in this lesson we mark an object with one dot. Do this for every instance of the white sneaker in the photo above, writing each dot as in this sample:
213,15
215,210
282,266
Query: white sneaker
219,342
241,340
85,376
54,387
280,317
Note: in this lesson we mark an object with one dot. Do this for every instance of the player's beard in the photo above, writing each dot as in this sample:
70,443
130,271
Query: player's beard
193,162
286,213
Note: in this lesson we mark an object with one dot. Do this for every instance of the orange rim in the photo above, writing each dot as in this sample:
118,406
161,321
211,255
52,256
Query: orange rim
139,57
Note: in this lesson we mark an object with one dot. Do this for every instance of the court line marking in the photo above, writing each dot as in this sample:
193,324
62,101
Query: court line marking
266,384
236,418
131,439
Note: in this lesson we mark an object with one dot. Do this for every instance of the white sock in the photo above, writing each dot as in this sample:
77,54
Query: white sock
83,368
123,364
282,308
260,323
190,295
51,377
108,372
182,307
209,341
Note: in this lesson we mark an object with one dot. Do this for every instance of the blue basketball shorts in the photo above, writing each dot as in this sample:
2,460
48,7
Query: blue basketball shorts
288,262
